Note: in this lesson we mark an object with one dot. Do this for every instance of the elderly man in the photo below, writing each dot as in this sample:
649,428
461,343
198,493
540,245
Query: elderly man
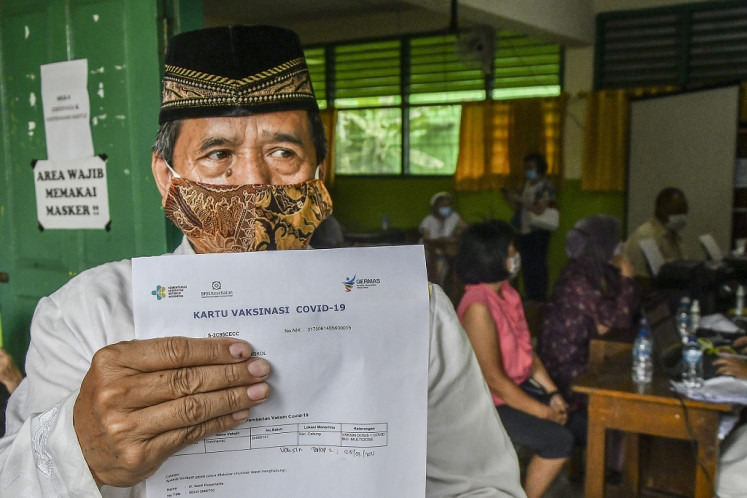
670,217
240,136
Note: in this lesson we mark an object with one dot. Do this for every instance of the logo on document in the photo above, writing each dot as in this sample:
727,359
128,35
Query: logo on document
171,291
216,290
349,283
160,292
360,283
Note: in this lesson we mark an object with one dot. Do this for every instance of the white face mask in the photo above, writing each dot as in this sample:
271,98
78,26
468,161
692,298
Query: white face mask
445,211
513,265
676,222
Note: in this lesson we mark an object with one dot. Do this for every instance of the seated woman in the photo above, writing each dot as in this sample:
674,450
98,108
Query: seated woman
440,233
492,314
594,293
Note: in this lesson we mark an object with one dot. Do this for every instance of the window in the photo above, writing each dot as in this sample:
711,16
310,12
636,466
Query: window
398,100
684,46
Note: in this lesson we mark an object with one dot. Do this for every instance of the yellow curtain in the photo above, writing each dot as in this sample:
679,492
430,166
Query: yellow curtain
605,156
605,141
329,120
495,136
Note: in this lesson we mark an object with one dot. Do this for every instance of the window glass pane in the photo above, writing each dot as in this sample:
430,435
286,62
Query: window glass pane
368,142
443,98
434,139
520,93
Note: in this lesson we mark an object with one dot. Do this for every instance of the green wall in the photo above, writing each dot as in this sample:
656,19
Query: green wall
360,202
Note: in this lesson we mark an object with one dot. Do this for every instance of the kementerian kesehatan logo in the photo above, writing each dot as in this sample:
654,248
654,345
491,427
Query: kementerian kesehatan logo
160,292
349,283
169,291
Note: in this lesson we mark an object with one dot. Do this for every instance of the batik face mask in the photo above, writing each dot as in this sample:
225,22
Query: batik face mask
241,218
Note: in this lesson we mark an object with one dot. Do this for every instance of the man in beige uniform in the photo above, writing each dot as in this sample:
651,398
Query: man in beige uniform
670,217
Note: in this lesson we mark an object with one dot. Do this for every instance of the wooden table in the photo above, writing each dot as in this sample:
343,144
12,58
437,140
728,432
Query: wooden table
615,402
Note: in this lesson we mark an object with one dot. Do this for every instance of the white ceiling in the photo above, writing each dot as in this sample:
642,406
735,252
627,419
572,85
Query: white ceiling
319,21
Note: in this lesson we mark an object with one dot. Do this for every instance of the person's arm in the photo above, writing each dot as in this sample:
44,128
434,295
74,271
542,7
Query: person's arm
482,334
556,402
616,311
10,375
469,452
90,414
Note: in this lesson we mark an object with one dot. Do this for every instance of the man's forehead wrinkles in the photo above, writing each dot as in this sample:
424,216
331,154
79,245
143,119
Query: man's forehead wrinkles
282,136
217,141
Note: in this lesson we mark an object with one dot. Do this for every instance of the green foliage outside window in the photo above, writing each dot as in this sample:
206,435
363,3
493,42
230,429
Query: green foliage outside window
405,94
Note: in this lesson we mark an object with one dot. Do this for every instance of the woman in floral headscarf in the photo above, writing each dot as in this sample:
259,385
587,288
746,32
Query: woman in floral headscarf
594,293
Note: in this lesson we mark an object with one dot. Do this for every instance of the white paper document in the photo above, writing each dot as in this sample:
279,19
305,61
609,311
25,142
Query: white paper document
346,332
66,109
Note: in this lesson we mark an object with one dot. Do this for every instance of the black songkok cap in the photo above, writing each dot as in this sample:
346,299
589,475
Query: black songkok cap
234,71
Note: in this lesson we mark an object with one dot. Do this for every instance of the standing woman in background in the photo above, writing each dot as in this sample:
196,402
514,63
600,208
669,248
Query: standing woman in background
531,408
537,195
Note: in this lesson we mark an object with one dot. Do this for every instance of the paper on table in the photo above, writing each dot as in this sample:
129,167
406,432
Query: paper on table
652,254
719,323
721,389
346,333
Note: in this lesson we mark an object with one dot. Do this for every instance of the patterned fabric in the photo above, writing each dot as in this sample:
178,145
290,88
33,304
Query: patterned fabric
511,326
578,303
240,218
542,191
234,71
185,88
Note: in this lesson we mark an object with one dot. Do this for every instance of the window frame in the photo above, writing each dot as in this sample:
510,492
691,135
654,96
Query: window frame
404,105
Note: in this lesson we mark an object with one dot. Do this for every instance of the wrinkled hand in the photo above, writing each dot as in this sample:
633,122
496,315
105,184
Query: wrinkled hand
141,401
10,375
736,367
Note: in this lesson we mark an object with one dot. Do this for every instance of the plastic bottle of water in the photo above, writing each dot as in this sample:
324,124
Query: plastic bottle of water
692,364
683,319
643,361
384,222
739,305
694,317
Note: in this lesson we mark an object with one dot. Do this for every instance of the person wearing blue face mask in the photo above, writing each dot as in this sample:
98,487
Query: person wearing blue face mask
670,217
440,234
536,196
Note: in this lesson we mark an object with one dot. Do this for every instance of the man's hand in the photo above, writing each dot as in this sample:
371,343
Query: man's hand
740,344
736,367
141,401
